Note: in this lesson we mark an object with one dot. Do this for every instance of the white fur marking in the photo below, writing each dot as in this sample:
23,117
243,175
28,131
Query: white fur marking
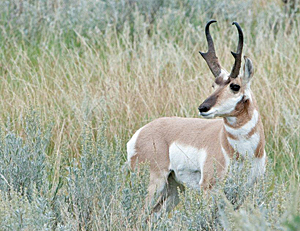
245,146
231,120
244,130
228,105
225,107
258,168
227,159
187,162
131,145
224,74
248,93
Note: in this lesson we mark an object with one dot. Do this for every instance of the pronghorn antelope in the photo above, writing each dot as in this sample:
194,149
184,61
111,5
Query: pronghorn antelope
191,151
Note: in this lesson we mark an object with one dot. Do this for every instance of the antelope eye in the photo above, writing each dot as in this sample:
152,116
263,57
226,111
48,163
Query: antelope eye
235,87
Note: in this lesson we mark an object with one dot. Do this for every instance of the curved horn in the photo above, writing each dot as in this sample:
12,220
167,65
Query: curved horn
238,55
210,56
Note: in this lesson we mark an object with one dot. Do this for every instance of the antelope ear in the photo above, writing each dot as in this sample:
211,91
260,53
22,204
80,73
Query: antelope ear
248,71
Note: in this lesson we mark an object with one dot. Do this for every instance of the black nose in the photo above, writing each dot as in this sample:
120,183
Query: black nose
204,107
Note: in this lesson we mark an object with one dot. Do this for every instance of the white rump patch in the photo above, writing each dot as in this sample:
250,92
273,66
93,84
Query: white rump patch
187,162
131,145
244,130
245,146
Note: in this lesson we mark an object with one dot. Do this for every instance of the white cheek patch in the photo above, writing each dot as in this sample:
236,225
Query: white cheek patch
245,146
228,105
187,162
245,129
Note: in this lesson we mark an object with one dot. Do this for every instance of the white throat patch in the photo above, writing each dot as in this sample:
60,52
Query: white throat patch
245,129
231,120
245,146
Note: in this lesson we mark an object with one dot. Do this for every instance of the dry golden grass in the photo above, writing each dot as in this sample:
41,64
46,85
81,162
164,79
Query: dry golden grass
132,78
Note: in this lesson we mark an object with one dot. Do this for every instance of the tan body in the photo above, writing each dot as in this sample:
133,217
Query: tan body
191,151
154,141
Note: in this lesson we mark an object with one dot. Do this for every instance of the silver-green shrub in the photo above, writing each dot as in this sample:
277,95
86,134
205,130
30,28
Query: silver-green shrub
23,165
98,192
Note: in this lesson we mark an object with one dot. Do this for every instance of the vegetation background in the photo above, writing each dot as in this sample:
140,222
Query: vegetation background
79,77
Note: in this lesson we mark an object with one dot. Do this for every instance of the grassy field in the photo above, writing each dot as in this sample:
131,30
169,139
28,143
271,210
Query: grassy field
79,77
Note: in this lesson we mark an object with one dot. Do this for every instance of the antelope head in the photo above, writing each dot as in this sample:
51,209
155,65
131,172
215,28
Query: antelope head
231,91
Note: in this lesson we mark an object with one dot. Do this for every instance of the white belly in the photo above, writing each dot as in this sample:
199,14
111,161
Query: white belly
187,163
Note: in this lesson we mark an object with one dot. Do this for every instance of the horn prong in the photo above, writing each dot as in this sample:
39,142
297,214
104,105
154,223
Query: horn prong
234,54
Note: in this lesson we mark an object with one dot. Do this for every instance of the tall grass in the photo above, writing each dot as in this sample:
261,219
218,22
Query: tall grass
90,73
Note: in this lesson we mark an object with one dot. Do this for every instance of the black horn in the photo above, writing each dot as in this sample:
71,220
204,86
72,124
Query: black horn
210,56
238,55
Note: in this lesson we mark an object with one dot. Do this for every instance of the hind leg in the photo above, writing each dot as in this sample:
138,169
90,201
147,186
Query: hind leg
157,186
170,197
